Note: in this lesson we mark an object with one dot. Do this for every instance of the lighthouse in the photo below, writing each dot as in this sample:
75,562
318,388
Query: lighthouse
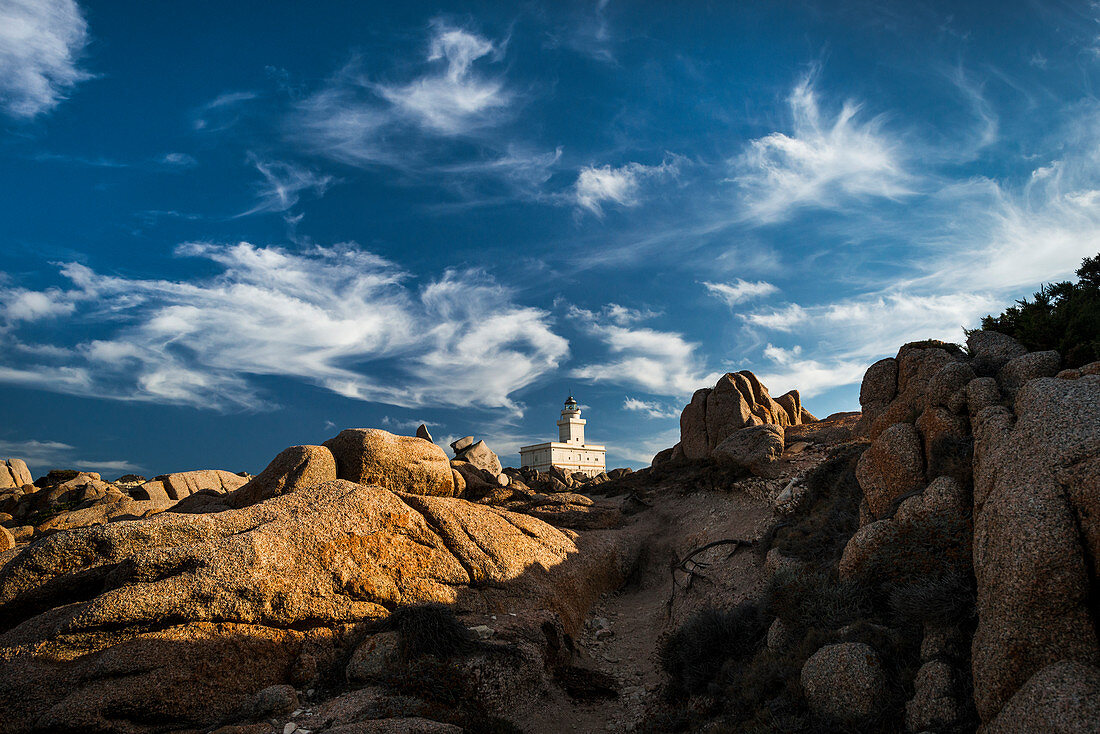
569,452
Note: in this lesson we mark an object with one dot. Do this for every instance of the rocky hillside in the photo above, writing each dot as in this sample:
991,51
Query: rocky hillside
926,564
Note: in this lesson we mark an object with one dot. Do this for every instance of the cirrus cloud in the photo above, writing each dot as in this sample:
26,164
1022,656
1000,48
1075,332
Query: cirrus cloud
40,46
337,317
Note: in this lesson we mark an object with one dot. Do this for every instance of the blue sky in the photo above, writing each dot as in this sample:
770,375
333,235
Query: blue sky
230,228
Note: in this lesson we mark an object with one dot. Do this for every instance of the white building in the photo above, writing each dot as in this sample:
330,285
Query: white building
569,452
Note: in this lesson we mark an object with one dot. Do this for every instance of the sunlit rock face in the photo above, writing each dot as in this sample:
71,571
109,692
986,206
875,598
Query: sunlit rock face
739,400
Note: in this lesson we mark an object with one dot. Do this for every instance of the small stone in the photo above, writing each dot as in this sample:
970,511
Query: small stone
598,623
484,632
290,728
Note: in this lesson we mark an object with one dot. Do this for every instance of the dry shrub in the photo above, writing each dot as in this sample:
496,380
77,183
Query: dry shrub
829,512
694,654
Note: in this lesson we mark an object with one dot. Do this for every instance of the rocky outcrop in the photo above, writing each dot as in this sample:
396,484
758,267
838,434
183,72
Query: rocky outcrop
993,438
1036,534
896,390
739,400
14,473
183,484
398,463
184,617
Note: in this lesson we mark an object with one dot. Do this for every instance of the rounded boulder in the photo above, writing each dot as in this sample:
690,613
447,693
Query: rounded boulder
398,463
293,468
755,448
844,682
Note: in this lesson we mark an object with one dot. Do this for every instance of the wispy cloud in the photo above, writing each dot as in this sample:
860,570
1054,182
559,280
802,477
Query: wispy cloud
599,185
659,362
222,112
740,290
357,120
588,32
178,160
454,100
444,124
650,408
338,317
41,42
283,185
44,455
821,163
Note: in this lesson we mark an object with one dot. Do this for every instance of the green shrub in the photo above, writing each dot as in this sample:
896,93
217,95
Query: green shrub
1063,316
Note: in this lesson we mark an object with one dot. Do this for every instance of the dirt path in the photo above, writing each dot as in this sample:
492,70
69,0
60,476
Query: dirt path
623,631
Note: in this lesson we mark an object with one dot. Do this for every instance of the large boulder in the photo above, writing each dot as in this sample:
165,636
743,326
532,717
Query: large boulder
14,473
1031,366
294,468
991,350
947,387
1036,535
878,388
862,547
398,463
1062,698
756,448
481,456
844,682
693,426
791,402
182,484
184,617
891,467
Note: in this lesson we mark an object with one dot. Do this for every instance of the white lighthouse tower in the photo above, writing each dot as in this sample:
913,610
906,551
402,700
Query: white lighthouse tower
571,425
569,452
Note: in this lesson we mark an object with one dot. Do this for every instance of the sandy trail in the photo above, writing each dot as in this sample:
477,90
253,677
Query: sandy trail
623,631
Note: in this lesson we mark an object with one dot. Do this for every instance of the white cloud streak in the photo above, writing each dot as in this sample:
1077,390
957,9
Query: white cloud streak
338,317
40,46
740,290
455,100
283,185
659,362
358,121
600,185
650,408
820,163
